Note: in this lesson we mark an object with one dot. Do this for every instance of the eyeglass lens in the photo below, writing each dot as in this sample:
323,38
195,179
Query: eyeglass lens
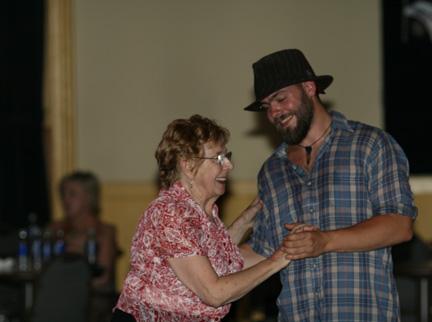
221,157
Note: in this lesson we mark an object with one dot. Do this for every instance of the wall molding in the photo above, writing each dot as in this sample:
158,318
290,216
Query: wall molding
421,185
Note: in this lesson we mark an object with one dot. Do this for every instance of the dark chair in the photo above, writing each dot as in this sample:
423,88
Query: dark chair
62,291
103,302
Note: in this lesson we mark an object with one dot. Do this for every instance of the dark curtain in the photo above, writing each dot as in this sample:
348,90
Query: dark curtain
23,182
407,26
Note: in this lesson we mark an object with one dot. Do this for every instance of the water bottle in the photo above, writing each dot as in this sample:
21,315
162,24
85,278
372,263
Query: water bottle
46,246
91,247
32,224
23,251
36,248
59,244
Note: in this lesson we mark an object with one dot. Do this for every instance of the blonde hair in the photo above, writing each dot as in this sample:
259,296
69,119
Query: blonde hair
91,186
184,139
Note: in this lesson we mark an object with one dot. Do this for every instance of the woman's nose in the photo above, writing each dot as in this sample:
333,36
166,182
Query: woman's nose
228,165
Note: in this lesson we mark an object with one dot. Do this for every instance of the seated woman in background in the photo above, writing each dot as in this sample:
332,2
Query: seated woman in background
80,193
185,263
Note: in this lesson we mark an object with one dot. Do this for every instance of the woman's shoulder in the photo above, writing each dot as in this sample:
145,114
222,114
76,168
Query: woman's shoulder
173,199
56,225
169,210
107,229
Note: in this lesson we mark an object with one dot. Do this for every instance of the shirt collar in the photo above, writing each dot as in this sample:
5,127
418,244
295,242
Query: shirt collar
178,188
339,121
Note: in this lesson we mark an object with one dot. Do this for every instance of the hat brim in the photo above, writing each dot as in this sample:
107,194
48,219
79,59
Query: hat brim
322,83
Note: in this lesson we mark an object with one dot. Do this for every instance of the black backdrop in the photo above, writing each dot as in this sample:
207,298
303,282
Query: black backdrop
23,182
408,80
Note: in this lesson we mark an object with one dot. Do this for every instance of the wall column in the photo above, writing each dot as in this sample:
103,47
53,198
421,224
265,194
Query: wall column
59,96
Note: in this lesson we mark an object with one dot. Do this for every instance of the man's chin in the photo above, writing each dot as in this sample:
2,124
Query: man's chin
287,137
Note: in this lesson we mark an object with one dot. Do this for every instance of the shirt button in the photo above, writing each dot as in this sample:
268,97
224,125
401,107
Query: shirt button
294,167
311,210
316,293
309,183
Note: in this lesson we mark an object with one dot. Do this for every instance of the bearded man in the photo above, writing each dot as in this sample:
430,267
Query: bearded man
348,179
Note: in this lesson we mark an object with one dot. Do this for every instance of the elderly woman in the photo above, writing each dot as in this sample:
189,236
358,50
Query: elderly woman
185,264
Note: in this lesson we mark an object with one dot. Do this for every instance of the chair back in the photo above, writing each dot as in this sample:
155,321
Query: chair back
62,291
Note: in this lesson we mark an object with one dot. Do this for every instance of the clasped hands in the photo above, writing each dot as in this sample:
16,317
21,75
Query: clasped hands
304,241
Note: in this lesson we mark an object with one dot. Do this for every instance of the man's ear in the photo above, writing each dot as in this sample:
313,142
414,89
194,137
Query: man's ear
309,87
187,167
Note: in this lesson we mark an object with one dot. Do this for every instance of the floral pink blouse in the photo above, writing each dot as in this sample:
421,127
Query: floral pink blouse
175,226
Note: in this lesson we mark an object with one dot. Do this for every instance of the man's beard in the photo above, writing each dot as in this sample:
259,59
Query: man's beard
304,116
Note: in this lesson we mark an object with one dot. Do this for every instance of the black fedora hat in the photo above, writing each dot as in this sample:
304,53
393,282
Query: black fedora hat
281,69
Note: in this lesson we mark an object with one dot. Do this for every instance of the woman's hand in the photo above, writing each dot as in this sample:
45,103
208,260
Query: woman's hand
300,227
245,221
249,214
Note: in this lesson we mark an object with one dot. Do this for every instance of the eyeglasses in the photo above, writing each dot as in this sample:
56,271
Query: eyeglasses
219,159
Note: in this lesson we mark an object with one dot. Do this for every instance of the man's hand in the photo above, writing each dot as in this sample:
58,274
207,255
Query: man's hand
303,241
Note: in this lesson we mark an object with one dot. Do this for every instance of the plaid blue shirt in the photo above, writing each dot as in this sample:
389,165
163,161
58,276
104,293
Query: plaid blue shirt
359,172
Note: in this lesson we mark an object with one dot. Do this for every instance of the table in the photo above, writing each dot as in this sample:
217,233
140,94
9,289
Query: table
422,272
26,281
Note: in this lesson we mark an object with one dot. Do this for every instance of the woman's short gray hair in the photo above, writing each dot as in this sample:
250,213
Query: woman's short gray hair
184,139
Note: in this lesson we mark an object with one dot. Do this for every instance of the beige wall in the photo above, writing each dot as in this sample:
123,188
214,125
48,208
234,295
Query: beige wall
142,63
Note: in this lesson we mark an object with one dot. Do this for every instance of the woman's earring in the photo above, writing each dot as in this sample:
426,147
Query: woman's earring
191,184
